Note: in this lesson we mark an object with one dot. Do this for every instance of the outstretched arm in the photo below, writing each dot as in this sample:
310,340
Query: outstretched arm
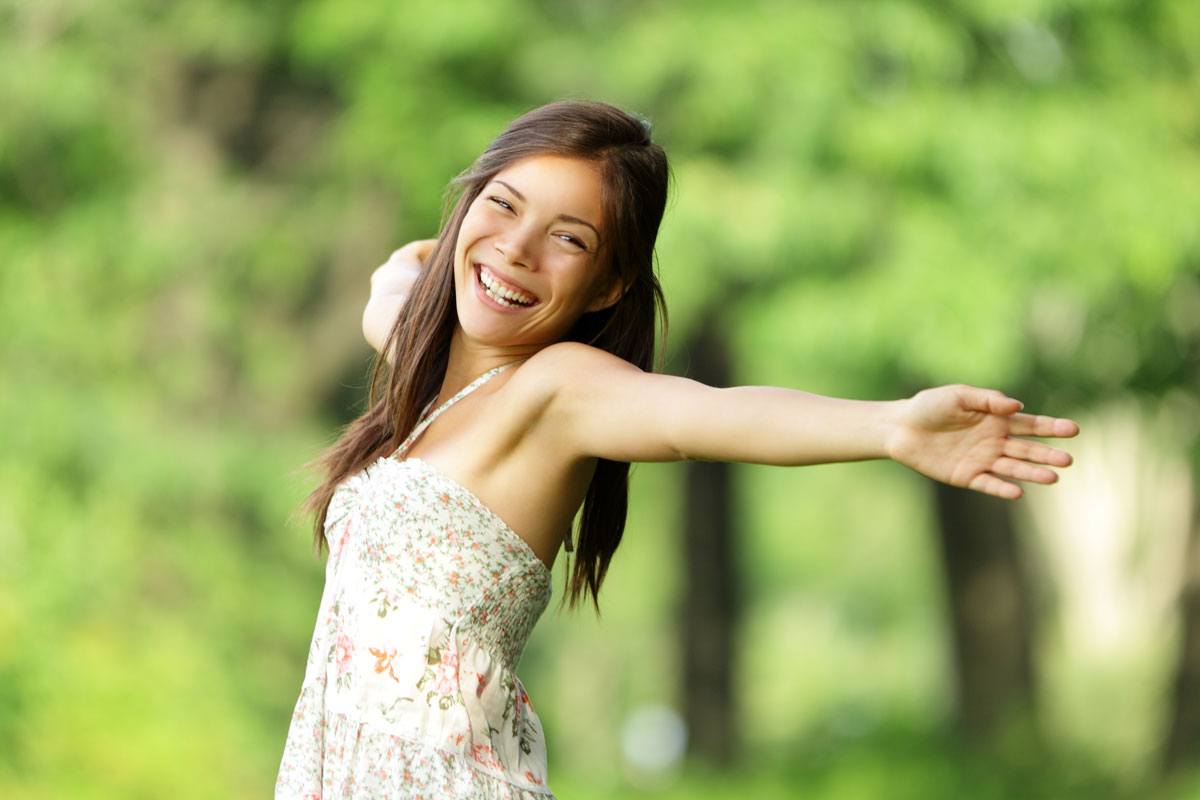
605,407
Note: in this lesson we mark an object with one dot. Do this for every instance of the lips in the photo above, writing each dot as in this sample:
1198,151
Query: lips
505,281
502,292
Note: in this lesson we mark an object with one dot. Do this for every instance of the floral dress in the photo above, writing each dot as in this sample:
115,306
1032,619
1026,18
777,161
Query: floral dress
410,689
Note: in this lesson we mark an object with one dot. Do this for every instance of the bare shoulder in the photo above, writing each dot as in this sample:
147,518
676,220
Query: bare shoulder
578,354
573,364
599,405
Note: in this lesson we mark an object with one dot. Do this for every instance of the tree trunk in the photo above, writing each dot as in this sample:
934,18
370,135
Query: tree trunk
710,601
1183,738
988,597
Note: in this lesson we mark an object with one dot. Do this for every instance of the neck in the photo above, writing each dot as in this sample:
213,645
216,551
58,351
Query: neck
468,360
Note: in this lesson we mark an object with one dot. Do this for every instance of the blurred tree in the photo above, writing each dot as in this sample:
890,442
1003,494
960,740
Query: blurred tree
711,584
991,621
1183,733
192,197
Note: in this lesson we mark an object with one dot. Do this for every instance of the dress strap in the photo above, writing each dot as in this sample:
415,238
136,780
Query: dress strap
428,418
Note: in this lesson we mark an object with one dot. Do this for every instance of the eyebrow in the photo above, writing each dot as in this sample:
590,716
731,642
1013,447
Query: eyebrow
565,217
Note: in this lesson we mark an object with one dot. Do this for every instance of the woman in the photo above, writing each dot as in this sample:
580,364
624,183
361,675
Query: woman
519,391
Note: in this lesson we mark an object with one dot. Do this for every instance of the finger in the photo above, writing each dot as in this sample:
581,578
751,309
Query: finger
993,401
1023,471
398,257
1041,425
1037,453
426,247
990,484
415,250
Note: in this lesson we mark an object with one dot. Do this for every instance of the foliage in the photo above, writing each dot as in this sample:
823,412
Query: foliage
193,195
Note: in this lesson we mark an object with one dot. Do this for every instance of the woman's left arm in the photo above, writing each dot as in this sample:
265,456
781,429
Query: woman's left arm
390,285
958,434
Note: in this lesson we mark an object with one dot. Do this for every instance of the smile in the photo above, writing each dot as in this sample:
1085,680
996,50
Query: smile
500,293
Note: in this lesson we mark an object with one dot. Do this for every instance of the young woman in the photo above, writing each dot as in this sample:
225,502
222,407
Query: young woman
519,346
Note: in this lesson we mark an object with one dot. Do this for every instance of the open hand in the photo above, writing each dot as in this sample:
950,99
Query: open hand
963,435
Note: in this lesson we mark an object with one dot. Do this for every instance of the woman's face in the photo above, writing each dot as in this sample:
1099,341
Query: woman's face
525,265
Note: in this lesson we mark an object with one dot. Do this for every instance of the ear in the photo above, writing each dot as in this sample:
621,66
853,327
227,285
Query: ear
608,295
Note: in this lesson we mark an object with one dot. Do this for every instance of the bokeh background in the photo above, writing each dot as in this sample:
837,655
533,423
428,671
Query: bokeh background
869,198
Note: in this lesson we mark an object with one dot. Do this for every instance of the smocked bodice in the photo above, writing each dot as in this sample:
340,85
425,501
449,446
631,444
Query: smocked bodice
426,540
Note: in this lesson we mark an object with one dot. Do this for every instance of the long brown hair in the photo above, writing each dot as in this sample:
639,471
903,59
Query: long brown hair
635,176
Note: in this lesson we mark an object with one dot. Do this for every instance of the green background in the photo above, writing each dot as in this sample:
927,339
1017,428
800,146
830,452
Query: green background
192,199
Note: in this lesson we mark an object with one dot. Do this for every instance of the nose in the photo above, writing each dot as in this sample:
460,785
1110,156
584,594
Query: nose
515,246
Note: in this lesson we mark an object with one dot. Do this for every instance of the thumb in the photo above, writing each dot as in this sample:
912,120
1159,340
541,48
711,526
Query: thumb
993,401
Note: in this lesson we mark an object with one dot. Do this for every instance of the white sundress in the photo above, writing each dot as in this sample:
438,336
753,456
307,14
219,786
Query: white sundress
410,690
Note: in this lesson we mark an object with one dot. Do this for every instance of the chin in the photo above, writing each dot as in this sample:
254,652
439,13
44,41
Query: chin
485,328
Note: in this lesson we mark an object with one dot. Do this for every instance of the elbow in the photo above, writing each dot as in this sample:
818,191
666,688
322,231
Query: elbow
373,325
367,332
374,333
682,456
674,448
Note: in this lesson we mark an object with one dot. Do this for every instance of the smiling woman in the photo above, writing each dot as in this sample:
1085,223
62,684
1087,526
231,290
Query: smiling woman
444,506
520,389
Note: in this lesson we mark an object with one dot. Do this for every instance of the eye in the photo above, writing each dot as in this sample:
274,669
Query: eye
566,237
501,202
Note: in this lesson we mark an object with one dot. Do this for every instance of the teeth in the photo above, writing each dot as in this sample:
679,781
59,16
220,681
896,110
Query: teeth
501,293
500,299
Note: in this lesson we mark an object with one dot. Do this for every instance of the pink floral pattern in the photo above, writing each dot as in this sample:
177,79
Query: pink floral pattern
410,689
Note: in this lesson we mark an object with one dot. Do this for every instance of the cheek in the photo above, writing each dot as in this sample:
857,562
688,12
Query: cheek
579,293
469,223
479,215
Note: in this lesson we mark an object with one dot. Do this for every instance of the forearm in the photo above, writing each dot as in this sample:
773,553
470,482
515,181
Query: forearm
788,427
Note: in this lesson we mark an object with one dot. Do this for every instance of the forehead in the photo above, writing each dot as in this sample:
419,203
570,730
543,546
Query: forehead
559,184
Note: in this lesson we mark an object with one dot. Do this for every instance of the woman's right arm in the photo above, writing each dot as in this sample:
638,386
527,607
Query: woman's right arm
599,405
390,284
